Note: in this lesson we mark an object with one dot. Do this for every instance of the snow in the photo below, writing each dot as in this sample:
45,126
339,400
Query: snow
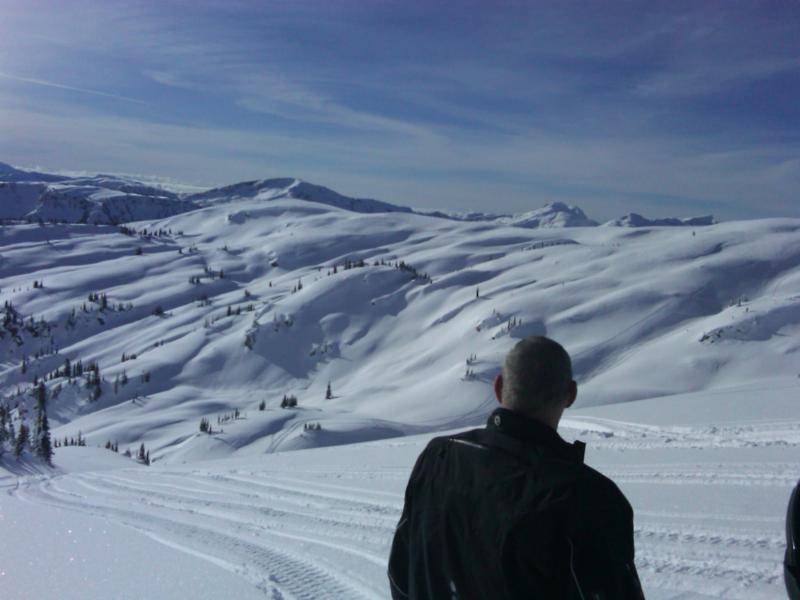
47,548
637,220
684,345
554,214
708,475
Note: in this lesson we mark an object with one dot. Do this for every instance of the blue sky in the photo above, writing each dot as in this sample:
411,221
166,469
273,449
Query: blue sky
659,108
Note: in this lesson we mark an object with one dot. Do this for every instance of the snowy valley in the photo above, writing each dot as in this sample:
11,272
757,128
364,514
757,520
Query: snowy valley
235,335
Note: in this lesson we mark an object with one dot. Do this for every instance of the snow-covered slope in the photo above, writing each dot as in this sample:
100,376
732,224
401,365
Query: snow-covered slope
12,174
18,199
105,201
380,323
246,301
276,189
102,199
637,220
708,476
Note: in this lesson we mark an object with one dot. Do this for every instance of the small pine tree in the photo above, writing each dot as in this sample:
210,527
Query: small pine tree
328,392
262,405
22,440
42,443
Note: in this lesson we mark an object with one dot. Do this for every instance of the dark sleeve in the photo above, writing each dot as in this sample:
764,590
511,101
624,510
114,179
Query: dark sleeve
601,551
401,546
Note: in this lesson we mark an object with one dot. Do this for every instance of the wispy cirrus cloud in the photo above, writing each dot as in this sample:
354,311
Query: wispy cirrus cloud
71,88
661,106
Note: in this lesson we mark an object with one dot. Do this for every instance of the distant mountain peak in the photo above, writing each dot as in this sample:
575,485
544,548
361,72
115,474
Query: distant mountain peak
637,220
291,188
551,215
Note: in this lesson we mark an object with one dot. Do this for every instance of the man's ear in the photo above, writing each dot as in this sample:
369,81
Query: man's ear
572,393
498,387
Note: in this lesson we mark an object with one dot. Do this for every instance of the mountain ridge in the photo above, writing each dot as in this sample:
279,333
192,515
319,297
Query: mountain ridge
88,199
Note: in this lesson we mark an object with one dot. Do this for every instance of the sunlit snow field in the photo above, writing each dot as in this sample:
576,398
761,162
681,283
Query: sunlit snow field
684,342
709,495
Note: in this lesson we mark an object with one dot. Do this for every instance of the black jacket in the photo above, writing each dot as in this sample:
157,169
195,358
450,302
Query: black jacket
511,511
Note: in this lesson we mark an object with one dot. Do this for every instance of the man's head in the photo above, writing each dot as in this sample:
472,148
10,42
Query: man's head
537,380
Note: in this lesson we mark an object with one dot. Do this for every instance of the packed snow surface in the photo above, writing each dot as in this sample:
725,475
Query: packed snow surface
684,343
709,488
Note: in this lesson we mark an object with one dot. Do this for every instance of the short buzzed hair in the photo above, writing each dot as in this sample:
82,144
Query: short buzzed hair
536,374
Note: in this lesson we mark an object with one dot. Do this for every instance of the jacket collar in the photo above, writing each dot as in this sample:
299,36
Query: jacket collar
532,431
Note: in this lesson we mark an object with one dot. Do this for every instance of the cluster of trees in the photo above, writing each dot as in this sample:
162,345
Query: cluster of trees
38,284
14,323
312,427
37,439
210,273
738,301
323,348
397,264
347,265
279,320
298,286
113,446
547,244
206,427
511,324
101,299
229,312
403,266
120,380
145,233
238,310
472,359
68,441
289,401
143,456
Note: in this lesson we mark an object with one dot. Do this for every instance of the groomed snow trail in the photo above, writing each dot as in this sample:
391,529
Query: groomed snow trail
318,523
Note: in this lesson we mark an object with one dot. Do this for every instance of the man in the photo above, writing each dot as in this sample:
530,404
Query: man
791,561
511,511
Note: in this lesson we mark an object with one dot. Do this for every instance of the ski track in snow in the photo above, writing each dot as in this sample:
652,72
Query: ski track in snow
325,532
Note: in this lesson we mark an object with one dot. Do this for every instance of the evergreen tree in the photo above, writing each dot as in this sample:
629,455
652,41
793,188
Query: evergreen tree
22,440
42,444
328,392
